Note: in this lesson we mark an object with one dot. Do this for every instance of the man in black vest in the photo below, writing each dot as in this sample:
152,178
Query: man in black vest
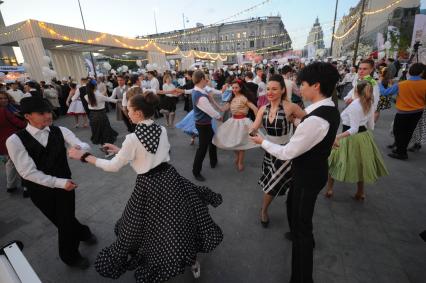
309,149
83,91
39,155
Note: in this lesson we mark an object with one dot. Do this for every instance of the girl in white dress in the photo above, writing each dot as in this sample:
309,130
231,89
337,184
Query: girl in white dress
234,133
75,106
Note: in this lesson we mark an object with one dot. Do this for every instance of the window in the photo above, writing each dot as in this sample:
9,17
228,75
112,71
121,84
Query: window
251,43
238,35
232,35
244,34
226,37
238,46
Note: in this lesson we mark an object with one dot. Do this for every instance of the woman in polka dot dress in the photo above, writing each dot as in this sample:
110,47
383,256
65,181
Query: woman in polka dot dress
166,222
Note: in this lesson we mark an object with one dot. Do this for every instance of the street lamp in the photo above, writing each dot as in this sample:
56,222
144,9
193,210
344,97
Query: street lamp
90,52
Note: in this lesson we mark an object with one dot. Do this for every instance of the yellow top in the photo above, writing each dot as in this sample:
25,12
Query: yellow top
239,105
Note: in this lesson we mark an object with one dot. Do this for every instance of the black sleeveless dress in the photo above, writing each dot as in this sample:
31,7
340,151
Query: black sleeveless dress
276,176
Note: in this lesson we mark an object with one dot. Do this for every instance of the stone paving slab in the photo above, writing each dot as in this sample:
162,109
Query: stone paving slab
375,241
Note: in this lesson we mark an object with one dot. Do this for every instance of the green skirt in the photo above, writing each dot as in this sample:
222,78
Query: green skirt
357,159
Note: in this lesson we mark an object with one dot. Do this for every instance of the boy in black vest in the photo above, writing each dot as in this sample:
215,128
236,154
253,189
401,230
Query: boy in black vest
309,149
40,157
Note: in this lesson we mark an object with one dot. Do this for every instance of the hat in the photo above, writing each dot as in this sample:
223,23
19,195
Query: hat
34,104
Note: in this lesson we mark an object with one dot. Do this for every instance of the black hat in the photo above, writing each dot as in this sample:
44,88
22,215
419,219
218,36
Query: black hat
34,104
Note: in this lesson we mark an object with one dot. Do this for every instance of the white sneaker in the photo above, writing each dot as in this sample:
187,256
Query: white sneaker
196,270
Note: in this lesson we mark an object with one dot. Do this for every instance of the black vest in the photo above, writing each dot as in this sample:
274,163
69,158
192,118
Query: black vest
52,159
83,92
316,159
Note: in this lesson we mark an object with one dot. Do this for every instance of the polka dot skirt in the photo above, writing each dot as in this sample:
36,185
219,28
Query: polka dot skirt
165,224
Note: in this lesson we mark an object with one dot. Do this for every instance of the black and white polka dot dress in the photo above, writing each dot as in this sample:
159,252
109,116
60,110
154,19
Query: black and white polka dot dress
165,224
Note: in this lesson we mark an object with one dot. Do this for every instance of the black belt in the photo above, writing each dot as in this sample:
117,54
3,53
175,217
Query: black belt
97,110
360,129
157,169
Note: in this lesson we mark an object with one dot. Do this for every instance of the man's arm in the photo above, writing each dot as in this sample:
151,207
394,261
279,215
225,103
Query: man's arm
72,140
26,167
204,104
308,134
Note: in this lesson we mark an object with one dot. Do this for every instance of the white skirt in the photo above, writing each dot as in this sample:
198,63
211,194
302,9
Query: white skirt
233,135
76,108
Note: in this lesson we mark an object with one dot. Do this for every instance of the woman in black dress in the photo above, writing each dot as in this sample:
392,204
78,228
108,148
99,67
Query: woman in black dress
166,221
275,118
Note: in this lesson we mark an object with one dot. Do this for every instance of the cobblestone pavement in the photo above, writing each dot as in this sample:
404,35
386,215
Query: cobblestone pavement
375,241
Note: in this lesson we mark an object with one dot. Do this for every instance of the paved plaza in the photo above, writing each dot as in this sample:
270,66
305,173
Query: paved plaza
375,241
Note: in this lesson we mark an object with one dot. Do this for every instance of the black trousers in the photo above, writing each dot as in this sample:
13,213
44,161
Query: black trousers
307,185
58,206
129,125
403,129
205,136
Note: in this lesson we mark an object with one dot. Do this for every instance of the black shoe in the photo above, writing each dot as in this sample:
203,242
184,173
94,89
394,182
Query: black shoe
288,236
25,194
93,240
423,235
11,190
265,224
391,146
416,147
81,263
199,178
398,156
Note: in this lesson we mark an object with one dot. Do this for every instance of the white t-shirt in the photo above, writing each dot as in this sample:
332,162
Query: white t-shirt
169,87
354,117
16,94
100,101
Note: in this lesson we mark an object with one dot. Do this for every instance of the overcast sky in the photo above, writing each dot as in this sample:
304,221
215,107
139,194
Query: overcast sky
133,17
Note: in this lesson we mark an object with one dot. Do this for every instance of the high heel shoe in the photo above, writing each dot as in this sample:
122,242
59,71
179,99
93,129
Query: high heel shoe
196,270
329,194
265,224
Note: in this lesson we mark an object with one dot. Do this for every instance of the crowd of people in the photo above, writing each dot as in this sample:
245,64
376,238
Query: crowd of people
292,112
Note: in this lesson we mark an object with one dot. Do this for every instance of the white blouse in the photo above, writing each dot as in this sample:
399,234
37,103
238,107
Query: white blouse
100,101
169,87
134,152
354,117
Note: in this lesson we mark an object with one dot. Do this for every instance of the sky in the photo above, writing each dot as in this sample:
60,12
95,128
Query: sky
136,17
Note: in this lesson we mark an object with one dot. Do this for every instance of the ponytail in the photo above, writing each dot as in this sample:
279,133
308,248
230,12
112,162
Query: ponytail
365,94
90,87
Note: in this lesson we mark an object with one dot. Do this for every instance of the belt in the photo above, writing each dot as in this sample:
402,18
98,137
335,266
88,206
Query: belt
97,110
157,169
360,129
239,116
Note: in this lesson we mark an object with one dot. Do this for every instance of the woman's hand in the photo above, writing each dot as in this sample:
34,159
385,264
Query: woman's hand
257,139
111,148
75,153
336,143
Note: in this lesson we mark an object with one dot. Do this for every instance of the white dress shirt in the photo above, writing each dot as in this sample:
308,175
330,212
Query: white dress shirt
134,152
100,101
354,117
308,133
154,84
16,94
204,104
125,101
26,166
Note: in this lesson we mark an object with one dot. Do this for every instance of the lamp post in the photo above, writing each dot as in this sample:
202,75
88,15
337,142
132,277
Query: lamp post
361,14
334,27
90,52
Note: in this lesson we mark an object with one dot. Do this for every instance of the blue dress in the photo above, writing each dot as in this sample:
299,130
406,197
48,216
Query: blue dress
187,124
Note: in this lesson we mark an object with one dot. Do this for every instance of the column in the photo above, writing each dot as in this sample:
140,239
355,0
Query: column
67,63
33,51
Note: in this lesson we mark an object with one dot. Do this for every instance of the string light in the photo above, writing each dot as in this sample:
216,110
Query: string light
123,60
15,30
347,32
196,30
53,32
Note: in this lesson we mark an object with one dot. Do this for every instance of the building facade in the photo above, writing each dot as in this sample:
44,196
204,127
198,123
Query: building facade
316,36
376,20
260,34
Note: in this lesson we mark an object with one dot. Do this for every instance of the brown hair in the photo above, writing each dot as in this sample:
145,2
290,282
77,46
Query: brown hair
368,61
133,91
8,96
197,76
365,94
145,103
166,76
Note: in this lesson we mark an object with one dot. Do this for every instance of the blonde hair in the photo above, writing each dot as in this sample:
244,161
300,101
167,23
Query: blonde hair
365,94
133,91
166,76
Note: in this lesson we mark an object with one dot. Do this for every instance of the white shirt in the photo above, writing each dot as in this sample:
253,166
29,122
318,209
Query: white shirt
16,94
354,117
376,93
154,84
308,134
134,152
100,101
204,104
257,80
124,102
169,87
26,166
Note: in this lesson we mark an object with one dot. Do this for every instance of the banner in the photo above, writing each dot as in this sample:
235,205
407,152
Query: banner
12,69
